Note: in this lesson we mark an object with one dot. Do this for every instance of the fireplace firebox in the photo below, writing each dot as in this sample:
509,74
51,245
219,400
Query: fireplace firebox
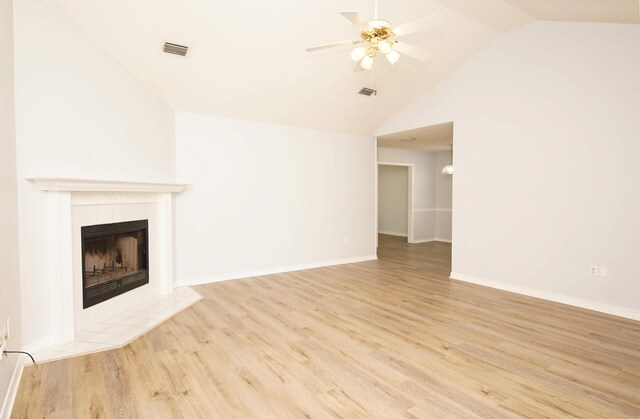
115,260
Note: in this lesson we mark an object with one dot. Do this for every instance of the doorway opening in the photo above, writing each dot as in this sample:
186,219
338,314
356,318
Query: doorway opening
421,155
395,200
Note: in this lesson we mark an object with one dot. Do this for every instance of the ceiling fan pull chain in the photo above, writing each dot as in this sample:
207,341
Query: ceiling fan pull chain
375,81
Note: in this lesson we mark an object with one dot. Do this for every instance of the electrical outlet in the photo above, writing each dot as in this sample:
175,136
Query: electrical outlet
594,270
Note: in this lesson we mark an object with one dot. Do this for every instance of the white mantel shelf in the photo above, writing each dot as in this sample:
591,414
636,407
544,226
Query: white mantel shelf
94,185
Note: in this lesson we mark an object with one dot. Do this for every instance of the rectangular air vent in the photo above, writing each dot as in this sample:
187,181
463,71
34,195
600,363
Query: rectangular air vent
176,49
366,91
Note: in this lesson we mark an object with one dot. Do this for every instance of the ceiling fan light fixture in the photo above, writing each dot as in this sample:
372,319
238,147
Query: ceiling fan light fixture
378,36
447,170
385,47
379,23
367,62
392,56
357,54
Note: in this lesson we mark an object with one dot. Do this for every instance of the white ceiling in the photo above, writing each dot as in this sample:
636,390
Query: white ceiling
432,138
247,59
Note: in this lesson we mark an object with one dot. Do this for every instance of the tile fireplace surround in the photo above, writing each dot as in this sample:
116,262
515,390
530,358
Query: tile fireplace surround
74,203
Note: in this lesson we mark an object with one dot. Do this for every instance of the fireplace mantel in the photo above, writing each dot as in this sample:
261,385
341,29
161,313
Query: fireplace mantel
95,185
91,196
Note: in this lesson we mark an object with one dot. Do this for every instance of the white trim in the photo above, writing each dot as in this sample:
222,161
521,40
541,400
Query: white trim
410,222
410,196
375,189
545,295
432,209
269,271
392,233
61,265
424,241
433,240
96,185
384,163
12,391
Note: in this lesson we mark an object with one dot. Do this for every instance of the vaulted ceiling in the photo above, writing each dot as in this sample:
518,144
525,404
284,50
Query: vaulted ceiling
247,59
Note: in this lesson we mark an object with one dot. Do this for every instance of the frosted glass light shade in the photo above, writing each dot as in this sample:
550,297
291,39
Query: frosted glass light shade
392,56
367,63
357,54
384,47
447,170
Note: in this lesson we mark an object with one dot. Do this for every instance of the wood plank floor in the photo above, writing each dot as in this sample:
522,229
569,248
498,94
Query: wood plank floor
387,338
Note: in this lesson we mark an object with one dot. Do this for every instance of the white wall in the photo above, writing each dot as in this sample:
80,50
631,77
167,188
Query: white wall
9,279
393,193
443,190
546,157
269,198
78,114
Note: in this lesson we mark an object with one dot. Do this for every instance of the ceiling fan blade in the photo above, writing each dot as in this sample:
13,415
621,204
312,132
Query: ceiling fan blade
355,18
430,35
332,45
421,24
412,51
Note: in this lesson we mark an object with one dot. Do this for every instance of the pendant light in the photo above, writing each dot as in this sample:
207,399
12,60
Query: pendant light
448,169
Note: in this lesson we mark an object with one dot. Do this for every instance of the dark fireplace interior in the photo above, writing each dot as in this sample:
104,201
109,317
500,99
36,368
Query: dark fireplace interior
114,259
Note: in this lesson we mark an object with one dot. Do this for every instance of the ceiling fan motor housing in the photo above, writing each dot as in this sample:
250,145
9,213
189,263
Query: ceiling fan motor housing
379,33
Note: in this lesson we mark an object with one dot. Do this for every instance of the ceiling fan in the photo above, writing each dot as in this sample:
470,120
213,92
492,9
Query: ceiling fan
378,35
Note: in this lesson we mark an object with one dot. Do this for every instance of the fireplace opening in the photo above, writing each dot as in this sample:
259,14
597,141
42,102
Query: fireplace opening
114,260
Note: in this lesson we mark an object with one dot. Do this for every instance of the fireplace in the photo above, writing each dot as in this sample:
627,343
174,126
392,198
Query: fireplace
115,260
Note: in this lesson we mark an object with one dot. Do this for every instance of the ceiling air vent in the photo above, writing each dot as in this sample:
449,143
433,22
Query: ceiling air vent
175,49
366,91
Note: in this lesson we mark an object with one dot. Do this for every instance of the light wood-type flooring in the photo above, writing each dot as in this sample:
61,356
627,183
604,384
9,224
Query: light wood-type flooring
388,338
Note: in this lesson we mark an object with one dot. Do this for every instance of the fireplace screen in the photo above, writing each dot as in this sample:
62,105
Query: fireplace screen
114,260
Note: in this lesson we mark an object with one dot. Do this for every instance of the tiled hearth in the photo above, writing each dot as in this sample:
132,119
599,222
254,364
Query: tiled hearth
122,328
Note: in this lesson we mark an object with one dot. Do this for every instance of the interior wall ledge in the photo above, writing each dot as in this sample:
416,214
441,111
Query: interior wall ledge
99,185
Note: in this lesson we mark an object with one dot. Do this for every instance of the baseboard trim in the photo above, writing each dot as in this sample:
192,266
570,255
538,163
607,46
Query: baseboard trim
545,295
270,271
12,391
432,240
432,210
392,233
